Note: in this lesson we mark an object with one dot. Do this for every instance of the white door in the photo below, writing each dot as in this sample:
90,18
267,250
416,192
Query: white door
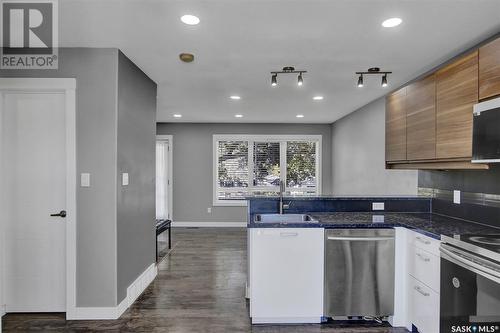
33,156
163,178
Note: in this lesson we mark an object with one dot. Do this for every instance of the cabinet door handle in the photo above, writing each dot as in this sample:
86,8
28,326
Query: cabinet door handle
424,258
425,241
289,234
420,291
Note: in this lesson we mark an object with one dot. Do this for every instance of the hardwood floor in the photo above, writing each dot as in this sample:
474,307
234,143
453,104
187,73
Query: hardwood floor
199,288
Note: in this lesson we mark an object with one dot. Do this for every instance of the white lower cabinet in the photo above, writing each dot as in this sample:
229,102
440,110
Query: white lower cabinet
423,281
286,275
423,306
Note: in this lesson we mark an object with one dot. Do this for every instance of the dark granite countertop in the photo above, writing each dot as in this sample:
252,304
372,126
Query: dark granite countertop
432,225
333,197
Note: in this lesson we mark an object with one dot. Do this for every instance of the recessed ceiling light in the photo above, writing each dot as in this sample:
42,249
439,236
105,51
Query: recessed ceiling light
300,116
177,115
235,97
318,98
190,19
392,22
238,115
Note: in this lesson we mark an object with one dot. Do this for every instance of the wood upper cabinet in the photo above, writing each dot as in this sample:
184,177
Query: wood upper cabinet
395,126
421,119
456,93
489,69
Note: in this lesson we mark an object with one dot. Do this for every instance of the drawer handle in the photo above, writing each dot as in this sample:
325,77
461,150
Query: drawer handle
424,258
417,288
289,234
426,242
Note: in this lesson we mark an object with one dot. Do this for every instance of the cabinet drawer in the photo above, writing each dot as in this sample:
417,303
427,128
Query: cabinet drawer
423,306
424,242
424,266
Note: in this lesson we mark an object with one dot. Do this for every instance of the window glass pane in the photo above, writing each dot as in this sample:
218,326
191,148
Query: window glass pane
301,166
266,158
232,161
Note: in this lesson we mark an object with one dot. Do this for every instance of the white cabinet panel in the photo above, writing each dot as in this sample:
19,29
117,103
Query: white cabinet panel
423,306
424,266
424,242
286,275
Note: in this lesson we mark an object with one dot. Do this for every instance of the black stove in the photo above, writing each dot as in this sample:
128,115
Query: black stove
487,246
470,283
492,242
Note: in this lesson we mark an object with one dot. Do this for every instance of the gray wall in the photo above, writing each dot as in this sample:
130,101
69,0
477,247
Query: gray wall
115,123
95,71
358,156
136,156
193,165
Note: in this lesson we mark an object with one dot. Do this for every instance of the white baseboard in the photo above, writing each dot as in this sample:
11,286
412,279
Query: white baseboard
114,312
140,284
209,224
286,320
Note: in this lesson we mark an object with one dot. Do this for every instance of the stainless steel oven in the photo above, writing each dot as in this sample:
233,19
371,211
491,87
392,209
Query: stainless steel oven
470,284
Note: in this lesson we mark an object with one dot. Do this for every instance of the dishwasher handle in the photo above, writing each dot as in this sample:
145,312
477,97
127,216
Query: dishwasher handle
360,239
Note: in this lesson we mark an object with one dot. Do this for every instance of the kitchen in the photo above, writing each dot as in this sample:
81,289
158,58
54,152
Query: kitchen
319,166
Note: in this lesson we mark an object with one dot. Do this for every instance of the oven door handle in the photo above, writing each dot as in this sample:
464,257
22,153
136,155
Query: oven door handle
450,254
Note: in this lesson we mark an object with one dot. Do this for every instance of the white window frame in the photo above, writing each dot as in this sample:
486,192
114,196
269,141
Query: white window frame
263,138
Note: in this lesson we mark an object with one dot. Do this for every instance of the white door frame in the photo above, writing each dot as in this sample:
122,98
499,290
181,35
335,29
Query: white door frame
68,87
170,139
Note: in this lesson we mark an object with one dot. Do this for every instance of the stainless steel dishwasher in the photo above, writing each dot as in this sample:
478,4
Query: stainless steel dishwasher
359,272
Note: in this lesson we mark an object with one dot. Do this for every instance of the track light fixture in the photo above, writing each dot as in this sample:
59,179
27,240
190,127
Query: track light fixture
360,81
384,80
373,71
287,70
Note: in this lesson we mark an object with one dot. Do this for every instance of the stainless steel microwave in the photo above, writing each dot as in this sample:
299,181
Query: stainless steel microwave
486,132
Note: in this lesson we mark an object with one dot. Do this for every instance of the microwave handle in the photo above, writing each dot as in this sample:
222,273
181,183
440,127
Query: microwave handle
451,255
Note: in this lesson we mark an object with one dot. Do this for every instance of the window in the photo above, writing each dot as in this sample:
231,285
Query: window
256,164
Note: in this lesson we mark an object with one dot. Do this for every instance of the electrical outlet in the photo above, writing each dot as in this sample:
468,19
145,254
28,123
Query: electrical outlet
209,210
378,206
85,180
378,219
125,180
456,197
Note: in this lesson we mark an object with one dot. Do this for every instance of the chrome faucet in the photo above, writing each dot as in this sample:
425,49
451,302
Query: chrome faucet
282,192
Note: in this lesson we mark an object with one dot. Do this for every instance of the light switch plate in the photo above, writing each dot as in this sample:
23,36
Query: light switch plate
85,180
209,210
125,179
378,206
456,197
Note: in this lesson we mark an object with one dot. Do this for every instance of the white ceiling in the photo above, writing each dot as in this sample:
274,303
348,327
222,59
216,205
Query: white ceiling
238,43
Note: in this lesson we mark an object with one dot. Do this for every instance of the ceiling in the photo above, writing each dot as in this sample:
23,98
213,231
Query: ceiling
238,42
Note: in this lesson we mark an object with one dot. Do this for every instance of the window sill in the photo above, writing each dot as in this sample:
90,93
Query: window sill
230,203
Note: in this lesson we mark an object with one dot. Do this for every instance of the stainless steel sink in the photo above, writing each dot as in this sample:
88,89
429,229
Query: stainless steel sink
284,218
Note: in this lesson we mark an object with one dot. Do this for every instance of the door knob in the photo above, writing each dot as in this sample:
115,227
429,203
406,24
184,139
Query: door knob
62,213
